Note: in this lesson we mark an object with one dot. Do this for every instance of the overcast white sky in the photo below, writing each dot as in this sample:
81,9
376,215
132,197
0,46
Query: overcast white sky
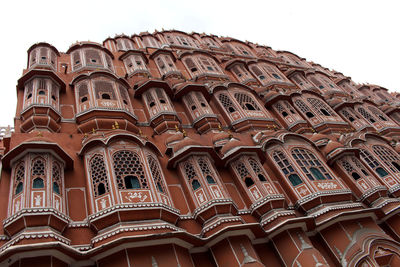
359,38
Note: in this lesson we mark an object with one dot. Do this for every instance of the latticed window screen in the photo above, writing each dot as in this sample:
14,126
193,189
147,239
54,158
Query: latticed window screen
129,170
373,163
353,167
257,169
304,108
286,168
320,106
156,173
227,103
244,173
33,57
124,95
29,89
246,101
56,176
19,178
191,175
310,165
83,91
366,115
103,88
43,56
98,174
389,157
38,172
93,58
76,60
347,115
38,167
378,113
206,170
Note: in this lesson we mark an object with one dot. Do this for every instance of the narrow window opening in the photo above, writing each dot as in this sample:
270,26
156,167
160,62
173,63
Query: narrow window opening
152,104
105,96
193,107
53,97
309,114
19,188
195,185
355,175
231,109
38,183
396,165
276,76
29,96
210,180
125,102
284,114
317,174
203,105
56,188
261,178
84,99
262,77
295,179
159,187
193,69
381,171
101,189
131,182
323,111
248,181
321,87
41,92
249,106
351,119
162,101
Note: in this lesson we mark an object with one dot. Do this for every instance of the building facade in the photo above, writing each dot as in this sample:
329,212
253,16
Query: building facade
176,149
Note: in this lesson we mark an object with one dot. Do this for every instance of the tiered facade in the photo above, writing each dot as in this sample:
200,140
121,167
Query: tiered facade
175,149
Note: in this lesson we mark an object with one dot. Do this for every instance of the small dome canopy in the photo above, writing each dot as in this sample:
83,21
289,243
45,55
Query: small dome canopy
163,51
187,146
79,45
145,85
92,74
231,62
37,144
134,52
182,54
182,89
43,44
334,150
106,138
267,138
40,72
230,145
221,138
178,136
319,139
230,39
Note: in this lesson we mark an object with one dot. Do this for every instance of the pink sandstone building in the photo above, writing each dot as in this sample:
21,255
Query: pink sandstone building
176,149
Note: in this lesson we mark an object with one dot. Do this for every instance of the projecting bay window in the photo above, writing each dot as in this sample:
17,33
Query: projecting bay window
201,180
202,65
91,58
166,65
43,57
38,182
124,44
41,91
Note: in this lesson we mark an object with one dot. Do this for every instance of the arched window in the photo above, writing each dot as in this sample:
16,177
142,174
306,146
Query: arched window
165,64
192,176
135,64
366,115
56,176
310,165
388,156
199,64
157,101
205,169
321,107
246,102
124,44
373,163
354,168
257,170
378,113
98,174
129,170
156,173
244,174
286,167
19,178
38,183
196,104
104,90
241,73
38,173
226,103
304,108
